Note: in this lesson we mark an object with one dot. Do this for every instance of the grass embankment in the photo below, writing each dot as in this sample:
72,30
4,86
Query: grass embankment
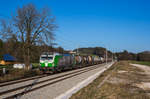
141,62
120,84
14,74
35,65
18,74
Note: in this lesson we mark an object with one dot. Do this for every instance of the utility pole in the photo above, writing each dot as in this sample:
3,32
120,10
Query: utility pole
106,56
112,57
78,50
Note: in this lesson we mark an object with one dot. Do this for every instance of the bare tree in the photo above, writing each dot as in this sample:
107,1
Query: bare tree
32,26
6,30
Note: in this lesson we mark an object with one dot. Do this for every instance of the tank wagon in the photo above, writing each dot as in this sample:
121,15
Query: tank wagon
95,59
56,62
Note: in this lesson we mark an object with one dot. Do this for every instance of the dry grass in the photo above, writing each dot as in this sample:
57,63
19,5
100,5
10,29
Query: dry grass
15,74
120,85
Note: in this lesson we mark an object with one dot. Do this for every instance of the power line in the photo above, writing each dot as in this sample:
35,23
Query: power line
4,16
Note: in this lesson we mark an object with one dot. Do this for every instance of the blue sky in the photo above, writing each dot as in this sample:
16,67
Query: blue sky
115,24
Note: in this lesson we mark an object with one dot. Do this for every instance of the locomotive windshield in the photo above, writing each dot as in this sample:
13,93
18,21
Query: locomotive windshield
43,58
46,58
49,58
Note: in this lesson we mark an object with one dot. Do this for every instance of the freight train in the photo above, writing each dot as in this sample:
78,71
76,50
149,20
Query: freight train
56,62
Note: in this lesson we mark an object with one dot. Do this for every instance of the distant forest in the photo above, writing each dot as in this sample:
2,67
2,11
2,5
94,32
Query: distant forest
12,46
100,51
125,55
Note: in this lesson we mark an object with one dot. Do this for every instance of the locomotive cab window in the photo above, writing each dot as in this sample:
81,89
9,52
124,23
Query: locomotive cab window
43,58
50,58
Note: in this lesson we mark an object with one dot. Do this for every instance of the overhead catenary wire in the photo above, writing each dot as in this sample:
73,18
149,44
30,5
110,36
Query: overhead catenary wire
77,44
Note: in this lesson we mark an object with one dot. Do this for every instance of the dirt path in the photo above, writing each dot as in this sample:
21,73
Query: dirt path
144,85
122,81
143,67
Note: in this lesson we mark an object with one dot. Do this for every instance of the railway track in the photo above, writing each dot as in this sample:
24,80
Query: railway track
21,80
29,88
2,84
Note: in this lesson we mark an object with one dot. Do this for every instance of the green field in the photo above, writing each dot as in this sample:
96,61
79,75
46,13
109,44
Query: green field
35,65
6,66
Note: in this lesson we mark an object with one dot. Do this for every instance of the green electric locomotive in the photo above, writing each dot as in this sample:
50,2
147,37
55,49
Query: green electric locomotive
56,62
